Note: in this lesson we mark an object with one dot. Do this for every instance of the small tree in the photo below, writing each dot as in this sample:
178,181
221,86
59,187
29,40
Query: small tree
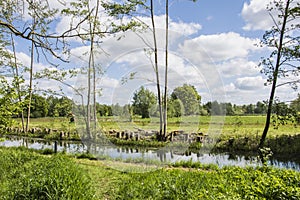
284,59
143,100
189,97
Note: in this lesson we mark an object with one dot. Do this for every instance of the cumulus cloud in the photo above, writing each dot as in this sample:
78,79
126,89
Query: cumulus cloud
256,16
238,67
217,47
250,83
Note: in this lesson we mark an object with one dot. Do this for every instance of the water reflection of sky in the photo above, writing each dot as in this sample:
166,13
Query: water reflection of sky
157,155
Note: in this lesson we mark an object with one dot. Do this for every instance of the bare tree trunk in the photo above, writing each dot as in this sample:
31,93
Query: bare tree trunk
88,106
157,72
166,73
92,67
275,76
16,70
30,82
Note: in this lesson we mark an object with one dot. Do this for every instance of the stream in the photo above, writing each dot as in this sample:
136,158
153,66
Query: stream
145,154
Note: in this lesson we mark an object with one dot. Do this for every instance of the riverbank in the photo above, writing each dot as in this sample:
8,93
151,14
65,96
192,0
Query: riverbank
159,156
238,134
96,180
283,147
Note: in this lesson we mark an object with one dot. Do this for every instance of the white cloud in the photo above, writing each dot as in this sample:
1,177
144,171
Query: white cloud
256,15
218,47
180,26
230,88
250,83
238,67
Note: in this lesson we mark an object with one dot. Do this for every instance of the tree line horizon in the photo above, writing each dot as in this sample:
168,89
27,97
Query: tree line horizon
145,101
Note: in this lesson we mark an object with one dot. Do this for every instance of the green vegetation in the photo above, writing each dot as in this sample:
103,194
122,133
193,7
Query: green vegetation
25,174
227,183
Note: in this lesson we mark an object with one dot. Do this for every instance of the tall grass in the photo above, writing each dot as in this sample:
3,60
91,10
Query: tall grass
27,175
227,183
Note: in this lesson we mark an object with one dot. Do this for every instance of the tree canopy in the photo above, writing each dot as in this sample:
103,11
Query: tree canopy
189,98
143,101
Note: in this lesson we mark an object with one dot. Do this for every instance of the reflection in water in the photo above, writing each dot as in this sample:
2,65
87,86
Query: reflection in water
164,155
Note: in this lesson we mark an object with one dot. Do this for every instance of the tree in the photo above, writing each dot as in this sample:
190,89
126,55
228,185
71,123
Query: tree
249,109
175,108
117,110
295,104
104,110
260,108
216,109
228,108
285,57
143,100
39,106
189,97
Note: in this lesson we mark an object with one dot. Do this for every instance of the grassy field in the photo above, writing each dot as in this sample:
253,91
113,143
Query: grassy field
25,174
229,125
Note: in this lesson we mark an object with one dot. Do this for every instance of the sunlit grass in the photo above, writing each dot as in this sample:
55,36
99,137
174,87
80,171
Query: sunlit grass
229,125
108,179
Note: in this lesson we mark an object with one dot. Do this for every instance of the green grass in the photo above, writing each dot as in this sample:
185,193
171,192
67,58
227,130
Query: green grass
25,174
233,125
199,182
60,123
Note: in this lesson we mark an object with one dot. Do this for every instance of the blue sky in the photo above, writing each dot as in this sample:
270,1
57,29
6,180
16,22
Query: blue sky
212,46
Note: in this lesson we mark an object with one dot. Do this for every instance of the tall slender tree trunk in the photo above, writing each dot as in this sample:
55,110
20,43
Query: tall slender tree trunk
275,76
91,109
30,81
16,70
94,69
88,107
166,74
156,71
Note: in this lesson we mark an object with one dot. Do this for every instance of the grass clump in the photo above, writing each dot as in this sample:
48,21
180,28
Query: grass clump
225,183
25,174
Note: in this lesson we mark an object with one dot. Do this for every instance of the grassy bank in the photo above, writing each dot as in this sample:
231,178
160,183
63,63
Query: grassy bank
25,174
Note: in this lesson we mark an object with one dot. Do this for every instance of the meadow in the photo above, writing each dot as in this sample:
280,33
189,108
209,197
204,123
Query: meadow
27,174
228,125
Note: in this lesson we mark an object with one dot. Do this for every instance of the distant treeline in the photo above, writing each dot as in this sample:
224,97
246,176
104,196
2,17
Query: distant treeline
53,106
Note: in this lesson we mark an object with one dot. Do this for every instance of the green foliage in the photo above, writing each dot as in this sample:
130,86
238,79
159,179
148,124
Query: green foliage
227,183
104,110
27,175
59,107
175,108
143,101
189,98
9,105
283,114
39,106
295,104
196,165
